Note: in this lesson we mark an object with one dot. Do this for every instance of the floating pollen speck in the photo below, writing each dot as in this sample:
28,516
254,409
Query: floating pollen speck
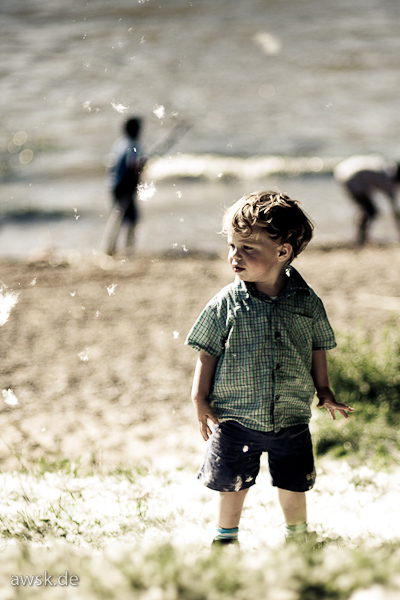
120,108
84,355
9,397
145,191
111,289
159,111
8,300
176,335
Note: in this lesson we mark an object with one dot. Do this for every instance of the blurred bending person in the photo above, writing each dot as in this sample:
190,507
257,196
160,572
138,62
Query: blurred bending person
361,176
125,173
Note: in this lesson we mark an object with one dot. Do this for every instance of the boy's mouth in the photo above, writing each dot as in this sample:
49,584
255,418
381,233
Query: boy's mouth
237,269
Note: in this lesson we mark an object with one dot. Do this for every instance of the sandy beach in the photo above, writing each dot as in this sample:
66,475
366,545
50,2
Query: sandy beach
93,349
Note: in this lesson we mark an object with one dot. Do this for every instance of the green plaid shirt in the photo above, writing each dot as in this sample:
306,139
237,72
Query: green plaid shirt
264,346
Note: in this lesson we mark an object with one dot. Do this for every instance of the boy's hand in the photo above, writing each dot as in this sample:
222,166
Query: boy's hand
327,400
204,413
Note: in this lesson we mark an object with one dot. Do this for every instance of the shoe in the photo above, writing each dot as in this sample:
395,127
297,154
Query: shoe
217,543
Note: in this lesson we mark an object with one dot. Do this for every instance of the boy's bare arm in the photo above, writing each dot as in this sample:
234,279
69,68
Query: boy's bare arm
202,384
319,372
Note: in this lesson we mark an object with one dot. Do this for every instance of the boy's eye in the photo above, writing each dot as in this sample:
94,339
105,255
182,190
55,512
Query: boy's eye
247,248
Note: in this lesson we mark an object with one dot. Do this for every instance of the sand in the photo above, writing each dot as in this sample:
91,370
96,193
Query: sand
93,349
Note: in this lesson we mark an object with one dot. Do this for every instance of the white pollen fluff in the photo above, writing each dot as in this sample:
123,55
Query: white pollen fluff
238,484
119,107
145,191
159,111
268,43
111,289
84,355
9,397
8,300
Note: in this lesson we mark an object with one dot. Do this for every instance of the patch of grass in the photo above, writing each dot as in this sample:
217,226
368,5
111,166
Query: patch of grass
141,533
365,374
165,572
57,465
130,473
87,509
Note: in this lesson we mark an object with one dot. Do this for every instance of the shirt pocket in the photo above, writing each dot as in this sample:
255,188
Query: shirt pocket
239,354
244,359
235,368
242,366
243,336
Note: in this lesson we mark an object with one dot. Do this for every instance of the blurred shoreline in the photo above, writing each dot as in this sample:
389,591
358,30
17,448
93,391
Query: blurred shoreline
69,215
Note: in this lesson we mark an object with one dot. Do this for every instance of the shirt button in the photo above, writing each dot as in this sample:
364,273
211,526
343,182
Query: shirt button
278,366
277,397
277,334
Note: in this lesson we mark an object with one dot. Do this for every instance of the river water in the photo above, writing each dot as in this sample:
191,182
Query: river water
275,92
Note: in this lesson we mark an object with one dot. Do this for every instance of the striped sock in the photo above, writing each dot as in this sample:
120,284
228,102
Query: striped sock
223,534
292,531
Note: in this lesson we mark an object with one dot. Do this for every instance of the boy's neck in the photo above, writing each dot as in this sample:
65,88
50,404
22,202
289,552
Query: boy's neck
273,287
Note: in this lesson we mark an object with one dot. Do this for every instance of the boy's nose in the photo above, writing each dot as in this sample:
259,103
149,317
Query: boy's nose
236,254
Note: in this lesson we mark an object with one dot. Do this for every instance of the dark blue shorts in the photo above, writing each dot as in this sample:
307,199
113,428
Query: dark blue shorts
232,460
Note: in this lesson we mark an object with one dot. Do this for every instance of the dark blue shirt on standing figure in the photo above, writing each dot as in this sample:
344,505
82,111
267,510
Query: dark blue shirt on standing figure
125,173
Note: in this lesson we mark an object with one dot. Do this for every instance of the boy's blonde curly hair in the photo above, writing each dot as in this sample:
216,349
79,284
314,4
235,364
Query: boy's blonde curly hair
281,217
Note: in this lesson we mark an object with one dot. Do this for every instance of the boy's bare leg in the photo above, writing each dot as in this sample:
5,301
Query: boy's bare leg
294,506
230,508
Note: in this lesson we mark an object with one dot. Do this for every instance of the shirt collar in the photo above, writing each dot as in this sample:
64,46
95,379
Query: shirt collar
296,283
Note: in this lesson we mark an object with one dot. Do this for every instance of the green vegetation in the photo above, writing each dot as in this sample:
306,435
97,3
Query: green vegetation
365,374
144,533
165,572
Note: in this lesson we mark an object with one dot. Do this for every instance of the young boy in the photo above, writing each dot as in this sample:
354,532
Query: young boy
262,343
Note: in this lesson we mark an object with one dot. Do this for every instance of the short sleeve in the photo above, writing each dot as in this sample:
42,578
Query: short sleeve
323,336
207,332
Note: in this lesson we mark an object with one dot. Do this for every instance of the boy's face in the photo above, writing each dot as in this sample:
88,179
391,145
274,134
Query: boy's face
257,258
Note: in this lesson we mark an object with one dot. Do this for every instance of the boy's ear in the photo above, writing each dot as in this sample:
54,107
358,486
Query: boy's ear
285,252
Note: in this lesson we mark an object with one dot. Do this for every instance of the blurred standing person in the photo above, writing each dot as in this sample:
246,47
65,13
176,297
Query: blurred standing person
361,176
124,178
